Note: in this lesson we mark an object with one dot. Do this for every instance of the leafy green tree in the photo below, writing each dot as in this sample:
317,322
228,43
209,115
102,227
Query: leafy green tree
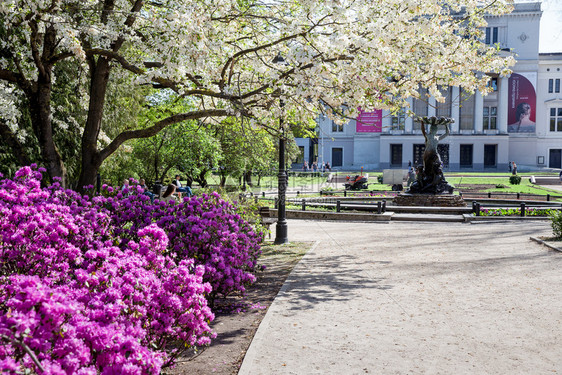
187,147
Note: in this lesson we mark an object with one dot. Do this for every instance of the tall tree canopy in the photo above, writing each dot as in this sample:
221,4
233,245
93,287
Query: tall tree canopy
220,54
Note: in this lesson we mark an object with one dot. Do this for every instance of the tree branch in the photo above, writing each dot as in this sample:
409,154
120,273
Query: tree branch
154,129
26,349
262,47
8,75
34,39
135,69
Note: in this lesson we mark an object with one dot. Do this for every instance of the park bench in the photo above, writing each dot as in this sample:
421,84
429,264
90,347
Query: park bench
266,219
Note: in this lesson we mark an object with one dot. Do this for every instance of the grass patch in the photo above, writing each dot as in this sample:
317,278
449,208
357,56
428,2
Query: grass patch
292,252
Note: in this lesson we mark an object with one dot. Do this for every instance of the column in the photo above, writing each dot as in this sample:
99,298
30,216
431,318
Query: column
431,106
503,104
456,109
478,111
409,121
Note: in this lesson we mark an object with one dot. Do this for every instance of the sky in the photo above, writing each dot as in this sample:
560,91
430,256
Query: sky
551,26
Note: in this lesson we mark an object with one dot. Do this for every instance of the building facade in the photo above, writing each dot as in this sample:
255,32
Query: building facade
521,120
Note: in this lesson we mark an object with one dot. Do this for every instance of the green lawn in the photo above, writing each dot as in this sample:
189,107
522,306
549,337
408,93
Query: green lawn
457,179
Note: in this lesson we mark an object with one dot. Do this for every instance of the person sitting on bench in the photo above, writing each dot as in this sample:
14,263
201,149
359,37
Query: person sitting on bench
181,189
169,194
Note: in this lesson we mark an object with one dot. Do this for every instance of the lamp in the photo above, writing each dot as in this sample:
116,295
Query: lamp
281,227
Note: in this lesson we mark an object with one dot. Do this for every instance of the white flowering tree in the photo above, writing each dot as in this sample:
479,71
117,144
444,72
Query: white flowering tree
219,54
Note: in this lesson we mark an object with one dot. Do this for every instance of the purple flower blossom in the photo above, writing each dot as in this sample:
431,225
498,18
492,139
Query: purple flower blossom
94,285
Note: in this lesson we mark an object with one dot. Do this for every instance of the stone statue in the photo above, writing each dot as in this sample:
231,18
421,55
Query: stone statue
430,179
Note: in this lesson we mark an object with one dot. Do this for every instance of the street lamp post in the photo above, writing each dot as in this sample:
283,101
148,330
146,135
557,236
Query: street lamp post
281,226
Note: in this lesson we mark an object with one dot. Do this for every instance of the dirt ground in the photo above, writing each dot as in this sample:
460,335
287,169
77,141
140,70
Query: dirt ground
235,330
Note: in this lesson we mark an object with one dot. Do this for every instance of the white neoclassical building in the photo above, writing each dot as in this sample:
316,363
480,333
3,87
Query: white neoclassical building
521,120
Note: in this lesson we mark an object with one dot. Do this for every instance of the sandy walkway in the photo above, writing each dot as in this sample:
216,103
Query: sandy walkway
415,298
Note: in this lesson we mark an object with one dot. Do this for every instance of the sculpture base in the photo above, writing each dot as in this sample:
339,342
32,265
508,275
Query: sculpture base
431,200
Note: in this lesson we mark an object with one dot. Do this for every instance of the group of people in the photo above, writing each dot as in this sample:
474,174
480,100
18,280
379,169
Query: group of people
314,167
173,190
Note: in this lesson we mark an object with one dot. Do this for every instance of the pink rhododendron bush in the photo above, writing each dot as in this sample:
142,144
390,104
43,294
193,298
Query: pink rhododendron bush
206,229
111,285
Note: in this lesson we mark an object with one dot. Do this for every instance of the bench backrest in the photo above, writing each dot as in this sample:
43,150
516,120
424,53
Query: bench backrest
264,211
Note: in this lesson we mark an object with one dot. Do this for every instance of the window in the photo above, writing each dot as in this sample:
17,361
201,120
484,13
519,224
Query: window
493,83
443,151
418,154
490,118
337,128
444,109
300,157
396,155
398,120
420,106
554,85
466,111
466,156
491,35
556,119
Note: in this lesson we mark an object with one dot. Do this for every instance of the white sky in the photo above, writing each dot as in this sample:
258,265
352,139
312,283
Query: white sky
551,26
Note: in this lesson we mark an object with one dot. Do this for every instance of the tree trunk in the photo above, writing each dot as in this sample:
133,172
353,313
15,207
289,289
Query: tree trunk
40,111
248,177
164,173
39,96
91,160
201,180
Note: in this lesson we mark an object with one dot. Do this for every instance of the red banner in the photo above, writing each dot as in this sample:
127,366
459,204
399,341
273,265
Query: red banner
369,122
522,105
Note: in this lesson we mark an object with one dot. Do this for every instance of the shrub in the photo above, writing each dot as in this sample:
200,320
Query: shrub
500,186
206,229
556,222
515,180
72,301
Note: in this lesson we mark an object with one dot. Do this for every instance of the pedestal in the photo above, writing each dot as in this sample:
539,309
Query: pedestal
432,200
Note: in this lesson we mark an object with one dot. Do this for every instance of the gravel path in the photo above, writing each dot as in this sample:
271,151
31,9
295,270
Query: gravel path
415,298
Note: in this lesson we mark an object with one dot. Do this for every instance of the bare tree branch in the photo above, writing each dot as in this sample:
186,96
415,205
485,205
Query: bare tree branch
26,349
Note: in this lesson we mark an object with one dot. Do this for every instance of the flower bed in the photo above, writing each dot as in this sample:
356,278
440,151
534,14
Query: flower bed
111,284
514,212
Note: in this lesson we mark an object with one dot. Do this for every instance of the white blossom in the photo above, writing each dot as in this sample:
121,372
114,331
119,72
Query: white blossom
372,54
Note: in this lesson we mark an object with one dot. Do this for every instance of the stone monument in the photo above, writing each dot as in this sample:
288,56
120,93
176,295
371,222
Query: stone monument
430,187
